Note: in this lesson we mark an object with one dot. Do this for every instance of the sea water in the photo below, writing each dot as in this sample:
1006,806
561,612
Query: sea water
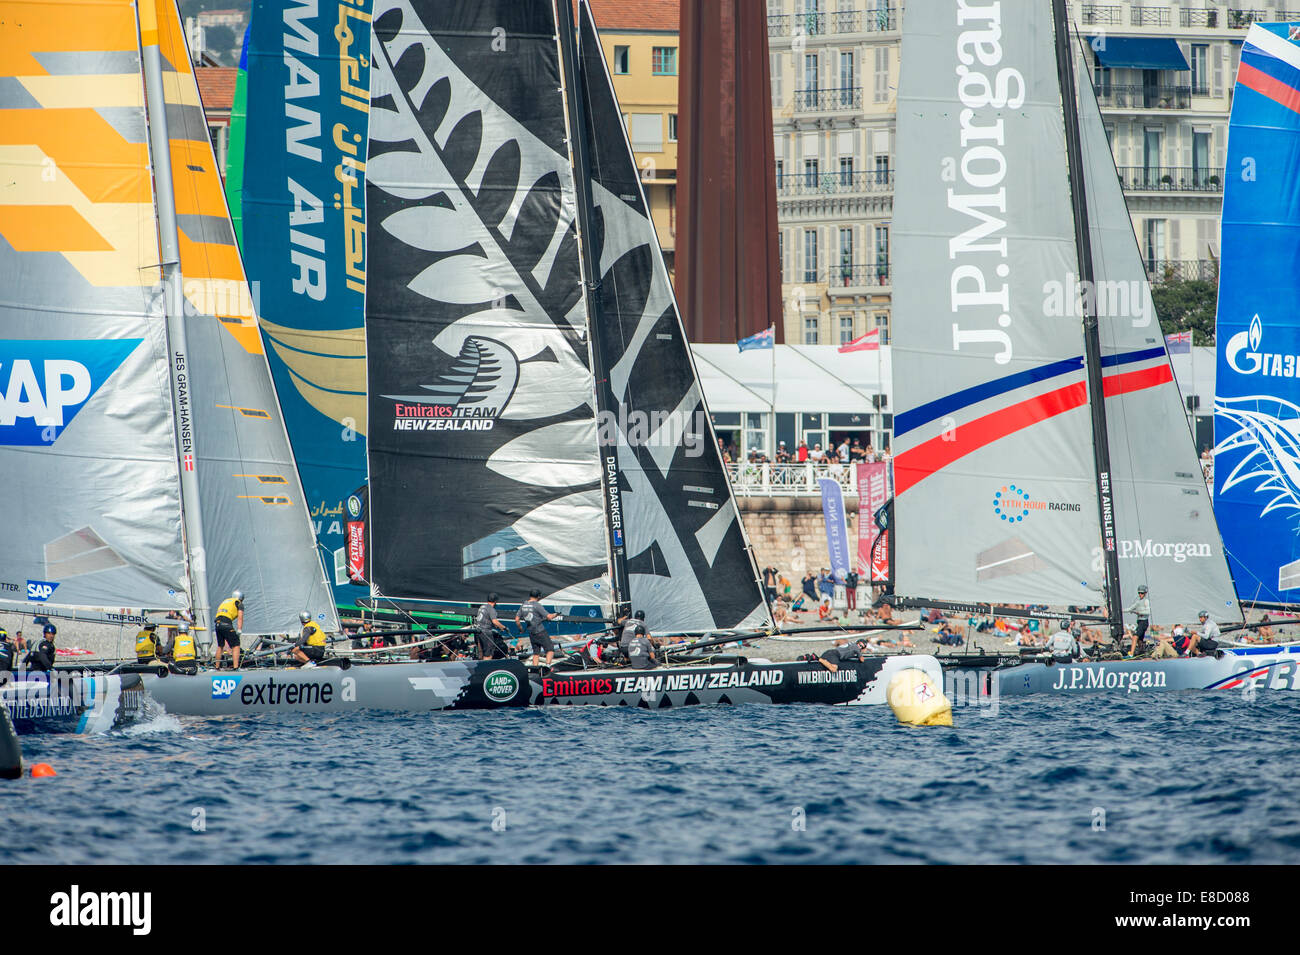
1173,778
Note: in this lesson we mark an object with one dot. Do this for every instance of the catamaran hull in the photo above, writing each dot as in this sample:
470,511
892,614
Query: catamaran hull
1256,668
416,687
852,683
80,703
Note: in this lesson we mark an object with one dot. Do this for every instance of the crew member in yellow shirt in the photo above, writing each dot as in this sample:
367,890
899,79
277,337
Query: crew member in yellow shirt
229,621
310,648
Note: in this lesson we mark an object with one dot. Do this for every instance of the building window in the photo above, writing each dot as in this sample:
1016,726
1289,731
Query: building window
810,172
663,61
882,170
1200,73
846,256
811,331
780,172
755,433
622,59
646,130
810,255
882,254
810,82
846,170
846,329
882,74
672,127
1155,243
780,254
882,323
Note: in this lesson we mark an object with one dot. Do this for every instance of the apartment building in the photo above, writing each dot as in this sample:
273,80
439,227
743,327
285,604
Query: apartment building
639,39
1163,74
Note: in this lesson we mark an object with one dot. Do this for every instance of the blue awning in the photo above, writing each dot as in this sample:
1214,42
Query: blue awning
1138,53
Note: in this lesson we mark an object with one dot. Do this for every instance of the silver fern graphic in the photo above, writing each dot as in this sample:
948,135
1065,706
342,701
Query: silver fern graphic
1269,445
484,375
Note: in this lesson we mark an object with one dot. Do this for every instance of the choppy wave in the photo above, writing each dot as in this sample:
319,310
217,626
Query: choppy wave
1174,778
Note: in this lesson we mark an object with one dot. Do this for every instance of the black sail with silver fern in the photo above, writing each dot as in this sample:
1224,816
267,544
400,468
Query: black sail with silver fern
484,473
689,562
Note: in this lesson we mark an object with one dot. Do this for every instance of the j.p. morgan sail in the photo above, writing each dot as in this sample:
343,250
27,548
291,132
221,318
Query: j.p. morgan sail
1167,535
993,420
1257,404
152,468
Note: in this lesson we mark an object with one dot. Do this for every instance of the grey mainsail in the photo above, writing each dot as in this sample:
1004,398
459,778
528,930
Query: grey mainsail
1167,535
992,419
689,561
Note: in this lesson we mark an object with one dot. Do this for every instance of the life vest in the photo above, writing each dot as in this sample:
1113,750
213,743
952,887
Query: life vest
146,646
315,636
1181,640
229,609
183,648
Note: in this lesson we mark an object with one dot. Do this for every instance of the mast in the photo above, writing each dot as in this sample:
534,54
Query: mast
174,306
1091,328
579,150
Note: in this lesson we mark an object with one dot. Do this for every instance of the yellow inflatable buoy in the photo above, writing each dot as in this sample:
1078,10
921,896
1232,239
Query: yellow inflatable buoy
916,701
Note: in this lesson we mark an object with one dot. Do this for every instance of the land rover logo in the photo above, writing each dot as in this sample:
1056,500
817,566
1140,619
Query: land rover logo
354,505
501,685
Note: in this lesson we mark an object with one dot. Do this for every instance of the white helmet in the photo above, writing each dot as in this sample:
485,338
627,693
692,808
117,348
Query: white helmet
305,617
183,628
237,594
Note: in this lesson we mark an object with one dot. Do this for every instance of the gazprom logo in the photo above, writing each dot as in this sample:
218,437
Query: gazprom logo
1244,356
43,384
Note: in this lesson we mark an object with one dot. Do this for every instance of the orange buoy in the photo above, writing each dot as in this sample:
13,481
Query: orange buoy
43,769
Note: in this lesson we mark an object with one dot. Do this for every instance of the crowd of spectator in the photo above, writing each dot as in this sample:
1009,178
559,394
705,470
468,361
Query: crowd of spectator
846,452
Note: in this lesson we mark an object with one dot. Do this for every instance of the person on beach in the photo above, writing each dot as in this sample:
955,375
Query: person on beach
229,620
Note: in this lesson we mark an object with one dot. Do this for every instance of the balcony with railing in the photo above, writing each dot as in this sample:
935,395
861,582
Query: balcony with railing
1171,179
751,479
838,22
1148,16
854,277
1241,19
828,100
1102,14
1160,271
1198,18
1143,96
835,183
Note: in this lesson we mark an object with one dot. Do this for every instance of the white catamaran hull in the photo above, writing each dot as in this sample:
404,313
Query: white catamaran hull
1246,670
416,687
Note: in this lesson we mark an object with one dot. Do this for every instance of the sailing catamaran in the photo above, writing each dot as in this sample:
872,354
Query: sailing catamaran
1006,179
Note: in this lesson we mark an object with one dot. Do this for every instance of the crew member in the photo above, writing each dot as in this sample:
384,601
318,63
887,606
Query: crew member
1208,641
8,651
634,627
1064,644
42,658
843,652
490,631
1142,609
310,648
533,616
146,643
184,655
229,622
641,652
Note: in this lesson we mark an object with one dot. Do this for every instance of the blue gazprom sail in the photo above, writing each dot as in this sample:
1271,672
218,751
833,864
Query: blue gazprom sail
1257,405
304,243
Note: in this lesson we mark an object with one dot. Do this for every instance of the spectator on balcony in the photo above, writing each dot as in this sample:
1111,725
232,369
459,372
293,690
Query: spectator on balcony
842,452
857,453
817,455
782,455
801,455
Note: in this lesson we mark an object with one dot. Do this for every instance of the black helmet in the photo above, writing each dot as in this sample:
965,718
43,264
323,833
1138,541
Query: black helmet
493,598
150,625
640,614
304,616
535,594
50,629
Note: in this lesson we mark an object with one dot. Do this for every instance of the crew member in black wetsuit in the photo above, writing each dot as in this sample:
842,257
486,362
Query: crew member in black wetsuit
641,652
8,651
43,657
533,616
490,631
842,653
632,628
310,648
